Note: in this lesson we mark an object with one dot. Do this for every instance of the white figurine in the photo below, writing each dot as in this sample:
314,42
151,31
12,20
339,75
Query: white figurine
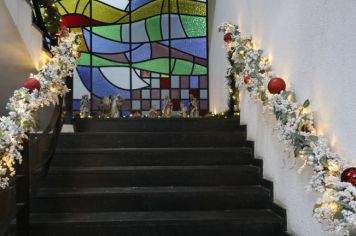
105,107
167,107
84,106
116,106
194,111
183,110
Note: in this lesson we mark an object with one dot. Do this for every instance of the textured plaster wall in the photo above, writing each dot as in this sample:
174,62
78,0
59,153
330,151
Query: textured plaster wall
15,62
312,45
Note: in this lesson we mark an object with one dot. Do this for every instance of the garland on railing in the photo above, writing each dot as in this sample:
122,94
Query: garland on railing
42,89
337,207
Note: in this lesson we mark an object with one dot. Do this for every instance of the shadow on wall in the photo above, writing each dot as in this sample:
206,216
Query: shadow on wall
211,6
15,62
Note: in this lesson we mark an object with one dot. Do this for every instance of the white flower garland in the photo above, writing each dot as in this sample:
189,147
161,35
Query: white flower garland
23,104
337,206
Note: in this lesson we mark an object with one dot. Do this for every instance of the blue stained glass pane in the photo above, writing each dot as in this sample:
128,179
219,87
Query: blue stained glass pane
186,103
102,87
102,45
138,3
126,113
142,53
195,47
138,32
84,73
165,26
194,82
177,30
76,105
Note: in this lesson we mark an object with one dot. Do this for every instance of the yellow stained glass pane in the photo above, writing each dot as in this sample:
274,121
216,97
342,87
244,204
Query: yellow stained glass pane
151,9
107,14
81,6
189,7
69,5
83,47
174,6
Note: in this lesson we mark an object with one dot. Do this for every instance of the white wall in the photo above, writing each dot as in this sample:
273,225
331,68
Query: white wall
312,45
15,62
21,13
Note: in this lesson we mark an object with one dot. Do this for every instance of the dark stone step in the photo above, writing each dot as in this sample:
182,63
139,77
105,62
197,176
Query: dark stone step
151,199
152,176
191,223
152,156
157,125
152,139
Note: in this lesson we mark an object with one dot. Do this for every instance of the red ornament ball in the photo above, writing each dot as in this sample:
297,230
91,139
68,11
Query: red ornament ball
349,176
247,79
227,37
276,85
32,84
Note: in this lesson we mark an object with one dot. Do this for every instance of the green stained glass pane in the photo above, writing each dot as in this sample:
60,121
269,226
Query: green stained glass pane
98,61
153,26
84,60
199,70
194,26
111,32
160,65
182,67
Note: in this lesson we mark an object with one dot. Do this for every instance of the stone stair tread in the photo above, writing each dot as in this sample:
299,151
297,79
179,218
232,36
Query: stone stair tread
164,133
87,192
238,216
173,149
106,169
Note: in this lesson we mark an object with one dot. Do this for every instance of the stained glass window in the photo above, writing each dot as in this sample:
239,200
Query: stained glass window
143,49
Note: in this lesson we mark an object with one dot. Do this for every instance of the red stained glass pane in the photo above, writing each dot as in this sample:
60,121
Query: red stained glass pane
165,83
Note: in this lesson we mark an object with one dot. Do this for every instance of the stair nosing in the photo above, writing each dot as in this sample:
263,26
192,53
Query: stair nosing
95,169
161,216
88,192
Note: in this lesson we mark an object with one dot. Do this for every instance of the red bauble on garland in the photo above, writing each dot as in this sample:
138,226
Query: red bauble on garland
227,37
276,85
349,176
247,79
32,84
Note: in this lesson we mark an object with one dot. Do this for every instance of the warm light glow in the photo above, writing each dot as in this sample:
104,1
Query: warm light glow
333,206
334,167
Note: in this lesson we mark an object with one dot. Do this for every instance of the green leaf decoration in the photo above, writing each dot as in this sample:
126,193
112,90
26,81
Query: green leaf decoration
338,215
324,161
345,206
297,151
314,138
308,151
306,103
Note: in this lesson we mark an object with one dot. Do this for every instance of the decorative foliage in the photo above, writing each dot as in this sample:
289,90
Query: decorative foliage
337,206
25,102
50,15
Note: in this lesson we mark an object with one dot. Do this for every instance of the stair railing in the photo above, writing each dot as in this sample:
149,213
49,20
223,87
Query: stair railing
37,154
37,19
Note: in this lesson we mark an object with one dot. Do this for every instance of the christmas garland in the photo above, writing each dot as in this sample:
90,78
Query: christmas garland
336,209
42,89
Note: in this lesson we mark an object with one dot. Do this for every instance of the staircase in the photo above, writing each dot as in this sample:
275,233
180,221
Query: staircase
191,177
